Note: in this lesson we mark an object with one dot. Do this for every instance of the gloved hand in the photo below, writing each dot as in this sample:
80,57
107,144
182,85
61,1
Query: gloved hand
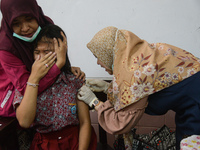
86,95
97,85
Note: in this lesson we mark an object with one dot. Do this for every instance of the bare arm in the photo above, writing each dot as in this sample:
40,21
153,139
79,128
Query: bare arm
85,125
26,110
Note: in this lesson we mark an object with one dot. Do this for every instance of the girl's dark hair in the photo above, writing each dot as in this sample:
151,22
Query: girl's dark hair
53,31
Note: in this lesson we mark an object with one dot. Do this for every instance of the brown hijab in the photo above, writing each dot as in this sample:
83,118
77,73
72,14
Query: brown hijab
10,10
140,68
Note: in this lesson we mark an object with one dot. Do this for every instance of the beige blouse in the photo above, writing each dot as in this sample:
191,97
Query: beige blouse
123,120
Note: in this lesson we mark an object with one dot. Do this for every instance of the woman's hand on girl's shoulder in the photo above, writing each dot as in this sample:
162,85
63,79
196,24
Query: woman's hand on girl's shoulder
78,73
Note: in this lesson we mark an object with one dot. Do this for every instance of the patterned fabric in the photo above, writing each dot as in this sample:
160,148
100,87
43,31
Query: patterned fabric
56,106
159,139
102,45
140,69
191,143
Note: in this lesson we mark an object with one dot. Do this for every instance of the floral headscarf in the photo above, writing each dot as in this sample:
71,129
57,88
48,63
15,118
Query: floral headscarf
140,69
102,45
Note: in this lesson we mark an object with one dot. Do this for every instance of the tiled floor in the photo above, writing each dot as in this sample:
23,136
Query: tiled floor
145,125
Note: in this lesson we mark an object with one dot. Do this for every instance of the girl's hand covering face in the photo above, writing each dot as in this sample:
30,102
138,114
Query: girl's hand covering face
42,65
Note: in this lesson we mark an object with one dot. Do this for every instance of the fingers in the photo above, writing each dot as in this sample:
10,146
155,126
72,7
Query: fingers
76,71
51,63
48,60
82,88
81,93
88,81
79,97
91,81
82,76
61,43
64,42
48,57
64,38
51,59
61,46
56,47
38,58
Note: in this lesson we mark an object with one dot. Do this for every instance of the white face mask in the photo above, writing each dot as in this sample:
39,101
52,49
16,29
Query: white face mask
27,39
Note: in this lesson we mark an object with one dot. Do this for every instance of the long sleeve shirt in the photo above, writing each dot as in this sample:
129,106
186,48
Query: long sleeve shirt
122,121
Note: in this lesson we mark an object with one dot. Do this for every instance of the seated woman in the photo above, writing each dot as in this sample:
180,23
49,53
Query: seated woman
60,119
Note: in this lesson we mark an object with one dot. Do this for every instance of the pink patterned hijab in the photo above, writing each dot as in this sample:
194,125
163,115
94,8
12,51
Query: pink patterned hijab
10,10
140,69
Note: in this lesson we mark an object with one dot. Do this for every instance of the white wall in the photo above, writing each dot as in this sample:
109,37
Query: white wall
175,22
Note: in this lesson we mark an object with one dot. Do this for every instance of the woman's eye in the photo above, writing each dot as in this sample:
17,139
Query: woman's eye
15,24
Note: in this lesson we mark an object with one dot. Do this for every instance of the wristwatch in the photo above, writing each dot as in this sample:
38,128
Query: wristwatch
95,102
